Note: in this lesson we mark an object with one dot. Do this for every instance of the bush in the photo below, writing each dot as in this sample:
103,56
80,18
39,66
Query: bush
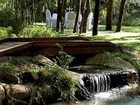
6,32
62,82
131,21
8,18
33,31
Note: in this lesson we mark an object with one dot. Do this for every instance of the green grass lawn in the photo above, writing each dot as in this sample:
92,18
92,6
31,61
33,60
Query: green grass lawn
101,29
135,29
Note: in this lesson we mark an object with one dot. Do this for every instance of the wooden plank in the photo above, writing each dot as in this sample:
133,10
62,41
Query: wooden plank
73,48
46,39
10,47
4,40
74,43
52,51
52,46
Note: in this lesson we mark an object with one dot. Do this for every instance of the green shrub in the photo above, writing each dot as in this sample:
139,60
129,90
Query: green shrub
63,82
6,32
131,21
6,17
3,33
33,31
7,67
64,60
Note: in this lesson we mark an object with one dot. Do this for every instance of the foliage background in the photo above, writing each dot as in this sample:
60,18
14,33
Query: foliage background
11,15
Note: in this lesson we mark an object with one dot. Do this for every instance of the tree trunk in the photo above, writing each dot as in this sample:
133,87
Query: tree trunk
86,13
82,13
63,15
85,9
109,15
33,11
16,16
59,15
96,18
122,5
78,5
74,5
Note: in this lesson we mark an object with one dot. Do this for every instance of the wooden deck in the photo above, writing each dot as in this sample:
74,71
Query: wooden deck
10,47
51,46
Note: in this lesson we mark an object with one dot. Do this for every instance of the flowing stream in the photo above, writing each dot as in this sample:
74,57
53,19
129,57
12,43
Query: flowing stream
116,96
110,88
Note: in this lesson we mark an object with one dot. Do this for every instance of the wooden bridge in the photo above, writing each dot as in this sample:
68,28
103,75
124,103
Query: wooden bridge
51,46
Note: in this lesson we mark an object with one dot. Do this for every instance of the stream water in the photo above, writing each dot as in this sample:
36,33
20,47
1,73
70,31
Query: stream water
107,89
116,96
135,101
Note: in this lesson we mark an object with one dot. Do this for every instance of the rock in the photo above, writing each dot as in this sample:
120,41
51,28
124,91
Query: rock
51,65
25,93
90,68
43,73
2,93
19,91
134,91
10,78
112,61
120,63
29,77
40,59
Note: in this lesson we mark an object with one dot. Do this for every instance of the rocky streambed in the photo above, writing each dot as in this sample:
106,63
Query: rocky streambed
39,81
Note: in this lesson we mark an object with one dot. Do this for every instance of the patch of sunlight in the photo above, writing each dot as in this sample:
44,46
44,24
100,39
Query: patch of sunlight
126,41
39,24
134,29
119,34
118,38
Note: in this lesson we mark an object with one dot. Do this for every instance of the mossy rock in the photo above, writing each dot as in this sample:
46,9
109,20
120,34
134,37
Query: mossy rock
18,65
110,60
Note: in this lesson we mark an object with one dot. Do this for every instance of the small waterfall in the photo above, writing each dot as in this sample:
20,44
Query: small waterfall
91,83
96,82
